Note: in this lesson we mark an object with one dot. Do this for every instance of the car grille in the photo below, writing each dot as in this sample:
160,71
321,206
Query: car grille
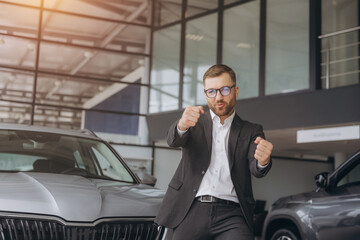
35,229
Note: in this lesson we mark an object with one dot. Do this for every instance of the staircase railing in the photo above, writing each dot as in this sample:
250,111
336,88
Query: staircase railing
340,56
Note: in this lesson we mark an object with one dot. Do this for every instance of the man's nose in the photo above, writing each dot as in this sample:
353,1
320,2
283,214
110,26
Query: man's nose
218,95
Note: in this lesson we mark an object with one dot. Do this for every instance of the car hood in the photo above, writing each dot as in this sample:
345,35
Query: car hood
300,198
76,198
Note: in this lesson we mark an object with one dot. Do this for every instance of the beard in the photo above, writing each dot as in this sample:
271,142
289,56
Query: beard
225,110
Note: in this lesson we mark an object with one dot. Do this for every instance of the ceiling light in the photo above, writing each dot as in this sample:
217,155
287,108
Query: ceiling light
12,77
194,37
88,54
30,46
243,45
57,83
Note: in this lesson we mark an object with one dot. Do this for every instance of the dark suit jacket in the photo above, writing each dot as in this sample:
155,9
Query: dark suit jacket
196,146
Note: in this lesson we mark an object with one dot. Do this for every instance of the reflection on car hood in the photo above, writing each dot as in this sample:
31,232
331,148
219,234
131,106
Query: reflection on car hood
75,198
293,199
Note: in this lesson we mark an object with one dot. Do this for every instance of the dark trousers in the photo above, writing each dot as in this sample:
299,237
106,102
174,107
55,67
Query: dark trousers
213,221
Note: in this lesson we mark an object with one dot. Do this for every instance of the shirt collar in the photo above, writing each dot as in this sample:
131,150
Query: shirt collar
216,119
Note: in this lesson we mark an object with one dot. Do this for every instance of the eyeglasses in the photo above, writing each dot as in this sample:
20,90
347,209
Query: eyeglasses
224,91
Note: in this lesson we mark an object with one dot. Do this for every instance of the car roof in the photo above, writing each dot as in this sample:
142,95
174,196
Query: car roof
349,161
79,133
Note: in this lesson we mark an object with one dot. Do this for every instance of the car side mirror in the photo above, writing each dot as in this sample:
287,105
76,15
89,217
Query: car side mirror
146,178
321,179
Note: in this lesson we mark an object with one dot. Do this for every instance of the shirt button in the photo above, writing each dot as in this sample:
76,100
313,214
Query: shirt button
218,141
213,187
194,190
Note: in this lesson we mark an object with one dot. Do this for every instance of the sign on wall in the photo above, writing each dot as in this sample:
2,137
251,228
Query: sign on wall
328,134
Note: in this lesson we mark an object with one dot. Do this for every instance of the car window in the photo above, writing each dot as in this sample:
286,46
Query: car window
79,159
105,158
352,177
46,152
17,162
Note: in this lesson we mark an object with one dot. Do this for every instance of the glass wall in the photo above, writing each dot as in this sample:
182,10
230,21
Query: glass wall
87,67
279,63
230,1
11,112
135,12
241,46
199,6
287,46
16,86
200,54
164,95
340,51
23,57
167,11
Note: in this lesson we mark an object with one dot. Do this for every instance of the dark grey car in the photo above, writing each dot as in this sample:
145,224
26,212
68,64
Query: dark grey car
332,212
59,184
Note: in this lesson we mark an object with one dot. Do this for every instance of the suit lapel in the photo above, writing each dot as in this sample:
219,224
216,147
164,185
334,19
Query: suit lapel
208,125
235,130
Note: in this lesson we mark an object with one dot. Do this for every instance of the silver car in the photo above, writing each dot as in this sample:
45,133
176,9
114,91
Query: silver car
60,184
331,212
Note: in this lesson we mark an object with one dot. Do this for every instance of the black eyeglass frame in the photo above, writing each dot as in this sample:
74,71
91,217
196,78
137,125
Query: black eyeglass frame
219,89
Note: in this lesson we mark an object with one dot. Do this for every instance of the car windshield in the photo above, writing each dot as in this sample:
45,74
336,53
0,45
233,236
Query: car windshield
30,151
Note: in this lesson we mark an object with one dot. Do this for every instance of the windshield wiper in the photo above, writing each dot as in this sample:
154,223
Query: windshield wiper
85,173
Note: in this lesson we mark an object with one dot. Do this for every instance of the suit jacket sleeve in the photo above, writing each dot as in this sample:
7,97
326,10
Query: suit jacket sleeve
255,170
173,137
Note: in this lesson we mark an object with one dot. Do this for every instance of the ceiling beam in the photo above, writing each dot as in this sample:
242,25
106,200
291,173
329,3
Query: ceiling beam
108,7
111,36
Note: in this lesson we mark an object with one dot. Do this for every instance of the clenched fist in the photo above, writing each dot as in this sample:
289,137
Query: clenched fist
190,117
263,151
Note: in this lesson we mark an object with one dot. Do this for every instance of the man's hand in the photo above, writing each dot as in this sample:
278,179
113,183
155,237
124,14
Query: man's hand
190,117
263,151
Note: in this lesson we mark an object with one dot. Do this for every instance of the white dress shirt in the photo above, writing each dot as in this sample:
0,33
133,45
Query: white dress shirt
217,179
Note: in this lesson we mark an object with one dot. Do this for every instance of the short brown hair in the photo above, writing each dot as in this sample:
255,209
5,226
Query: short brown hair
217,70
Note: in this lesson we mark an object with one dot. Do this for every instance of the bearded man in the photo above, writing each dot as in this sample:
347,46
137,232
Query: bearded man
210,196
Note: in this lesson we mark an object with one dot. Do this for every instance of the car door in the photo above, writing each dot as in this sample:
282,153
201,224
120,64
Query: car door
335,212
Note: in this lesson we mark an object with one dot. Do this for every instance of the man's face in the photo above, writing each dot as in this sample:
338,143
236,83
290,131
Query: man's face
221,105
